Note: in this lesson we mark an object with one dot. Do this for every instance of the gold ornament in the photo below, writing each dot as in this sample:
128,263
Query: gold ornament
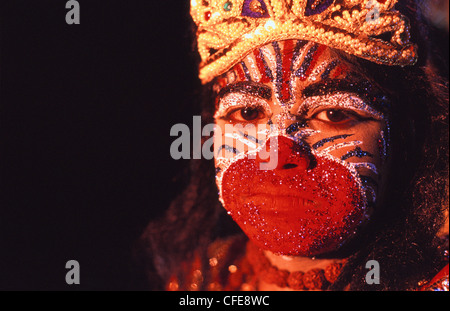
230,29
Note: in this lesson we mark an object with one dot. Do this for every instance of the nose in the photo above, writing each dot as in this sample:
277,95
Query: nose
289,153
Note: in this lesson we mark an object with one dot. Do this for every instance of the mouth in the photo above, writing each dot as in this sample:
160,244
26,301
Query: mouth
291,204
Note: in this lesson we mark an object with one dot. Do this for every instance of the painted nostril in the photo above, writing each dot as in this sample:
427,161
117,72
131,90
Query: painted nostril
289,154
296,160
289,166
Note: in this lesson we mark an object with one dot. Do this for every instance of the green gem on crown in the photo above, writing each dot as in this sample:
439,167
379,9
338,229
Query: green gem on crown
228,6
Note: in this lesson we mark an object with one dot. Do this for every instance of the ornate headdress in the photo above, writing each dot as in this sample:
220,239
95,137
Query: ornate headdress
229,29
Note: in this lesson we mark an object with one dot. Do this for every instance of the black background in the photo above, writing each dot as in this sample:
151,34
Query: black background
85,117
86,112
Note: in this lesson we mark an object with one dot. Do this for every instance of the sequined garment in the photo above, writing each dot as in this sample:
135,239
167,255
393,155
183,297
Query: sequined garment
230,268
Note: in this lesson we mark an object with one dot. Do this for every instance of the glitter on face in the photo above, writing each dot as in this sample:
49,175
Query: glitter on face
329,139
247,88
341,100
357,152
326,73
238,100
325,183
309,62
341,145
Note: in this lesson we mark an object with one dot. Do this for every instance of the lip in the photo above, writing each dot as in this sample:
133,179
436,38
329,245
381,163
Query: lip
283,203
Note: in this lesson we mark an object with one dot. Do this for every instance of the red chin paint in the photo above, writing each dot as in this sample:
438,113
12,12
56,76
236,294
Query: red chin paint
293,209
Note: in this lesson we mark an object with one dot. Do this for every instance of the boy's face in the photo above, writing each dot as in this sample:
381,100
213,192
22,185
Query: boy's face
300,147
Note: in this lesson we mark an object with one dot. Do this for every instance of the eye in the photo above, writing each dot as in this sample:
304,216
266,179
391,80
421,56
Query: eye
247,114
336,116
250,114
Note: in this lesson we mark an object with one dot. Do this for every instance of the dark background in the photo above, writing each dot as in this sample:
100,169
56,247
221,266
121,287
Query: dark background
85,117
86,112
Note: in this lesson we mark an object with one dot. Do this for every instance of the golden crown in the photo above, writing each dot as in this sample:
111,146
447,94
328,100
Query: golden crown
229,29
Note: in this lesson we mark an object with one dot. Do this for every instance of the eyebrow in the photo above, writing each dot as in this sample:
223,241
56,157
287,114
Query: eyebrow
248,88
356,84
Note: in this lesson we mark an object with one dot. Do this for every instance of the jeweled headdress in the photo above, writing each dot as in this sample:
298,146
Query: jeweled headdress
229,29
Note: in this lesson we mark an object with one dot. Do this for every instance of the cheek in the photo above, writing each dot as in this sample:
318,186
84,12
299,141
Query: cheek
221,161
225,151
363,149
369,158
233,142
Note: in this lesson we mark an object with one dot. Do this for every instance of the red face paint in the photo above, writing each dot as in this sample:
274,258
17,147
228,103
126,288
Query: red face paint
292,210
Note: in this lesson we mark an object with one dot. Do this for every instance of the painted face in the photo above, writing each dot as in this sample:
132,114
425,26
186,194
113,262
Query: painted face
300,147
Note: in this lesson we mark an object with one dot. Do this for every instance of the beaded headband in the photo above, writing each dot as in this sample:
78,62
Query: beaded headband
229,29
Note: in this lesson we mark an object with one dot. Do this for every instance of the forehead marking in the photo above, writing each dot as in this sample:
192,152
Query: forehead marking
275,63
264,70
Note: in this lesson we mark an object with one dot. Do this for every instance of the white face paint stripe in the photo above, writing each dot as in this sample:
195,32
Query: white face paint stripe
302,134
241,138
367,165
341,145
317,72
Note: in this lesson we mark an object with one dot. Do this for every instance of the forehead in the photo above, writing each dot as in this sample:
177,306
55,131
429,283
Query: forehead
295,68
283,62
